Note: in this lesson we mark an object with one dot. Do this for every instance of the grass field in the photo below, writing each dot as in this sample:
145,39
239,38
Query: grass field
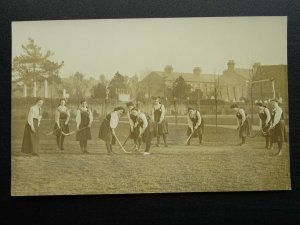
218,165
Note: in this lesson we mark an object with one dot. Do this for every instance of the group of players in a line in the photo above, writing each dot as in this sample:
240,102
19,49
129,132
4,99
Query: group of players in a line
144,127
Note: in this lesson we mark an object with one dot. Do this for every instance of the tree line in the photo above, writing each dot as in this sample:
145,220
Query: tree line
34,66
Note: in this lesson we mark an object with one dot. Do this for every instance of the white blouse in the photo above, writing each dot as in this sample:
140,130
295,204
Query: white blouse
114,120
35,112
243,114
277,117
143,117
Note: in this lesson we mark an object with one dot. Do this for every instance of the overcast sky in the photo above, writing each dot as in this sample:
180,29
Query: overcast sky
137,46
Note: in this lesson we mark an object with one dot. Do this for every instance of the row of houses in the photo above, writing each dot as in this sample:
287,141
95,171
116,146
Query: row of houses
233,85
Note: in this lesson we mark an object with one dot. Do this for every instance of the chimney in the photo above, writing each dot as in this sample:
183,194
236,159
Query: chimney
230,66
168,69
255,67
197,71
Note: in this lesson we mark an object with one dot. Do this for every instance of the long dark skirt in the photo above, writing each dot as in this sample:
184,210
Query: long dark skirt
278,133
135,133
63,127
265,129
244,130
84,134
105,132
148,135
30,143
160,128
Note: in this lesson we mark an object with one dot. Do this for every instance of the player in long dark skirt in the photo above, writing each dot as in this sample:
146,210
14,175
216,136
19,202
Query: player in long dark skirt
134,127
160,124
264,122
30,144
107,128
242,121
195,125
84,120
277,128
62,116
146,129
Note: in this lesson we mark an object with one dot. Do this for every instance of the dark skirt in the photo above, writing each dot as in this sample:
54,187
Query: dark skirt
197,133
278,133
160,128
135,133
105,132
84,134
265,129
244,130
148,135
30,144
63,128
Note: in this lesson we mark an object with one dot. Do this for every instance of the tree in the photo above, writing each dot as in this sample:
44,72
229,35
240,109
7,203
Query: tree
181,89
34,66
118,82
77,86
134,86
103,80
99,91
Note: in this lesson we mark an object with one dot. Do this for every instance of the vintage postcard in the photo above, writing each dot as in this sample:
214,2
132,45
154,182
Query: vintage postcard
123,106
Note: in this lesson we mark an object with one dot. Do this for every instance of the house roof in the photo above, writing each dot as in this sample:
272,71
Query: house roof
271,71
189,77
246,73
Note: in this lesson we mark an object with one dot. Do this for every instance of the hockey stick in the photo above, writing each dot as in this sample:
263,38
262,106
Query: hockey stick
73,132
257,133
187,140
121,144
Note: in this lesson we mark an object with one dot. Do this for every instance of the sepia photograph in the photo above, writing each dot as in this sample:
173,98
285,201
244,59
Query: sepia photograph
160,105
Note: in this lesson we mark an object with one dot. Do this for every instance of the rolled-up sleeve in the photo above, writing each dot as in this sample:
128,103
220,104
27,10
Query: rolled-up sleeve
267,111
91,118
242,112
199,119
277,116
114,120
30,117
144,119
78,118
57,117
163,112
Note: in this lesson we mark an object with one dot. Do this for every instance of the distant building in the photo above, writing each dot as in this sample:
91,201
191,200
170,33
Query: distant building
233,83
155,83
123,95
264,91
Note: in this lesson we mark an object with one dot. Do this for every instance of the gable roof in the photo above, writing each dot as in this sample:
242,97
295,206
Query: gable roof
189,77
246,73
271,71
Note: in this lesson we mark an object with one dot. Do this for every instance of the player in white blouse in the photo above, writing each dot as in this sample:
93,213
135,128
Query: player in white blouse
107,128
146,130
277,128
30,144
